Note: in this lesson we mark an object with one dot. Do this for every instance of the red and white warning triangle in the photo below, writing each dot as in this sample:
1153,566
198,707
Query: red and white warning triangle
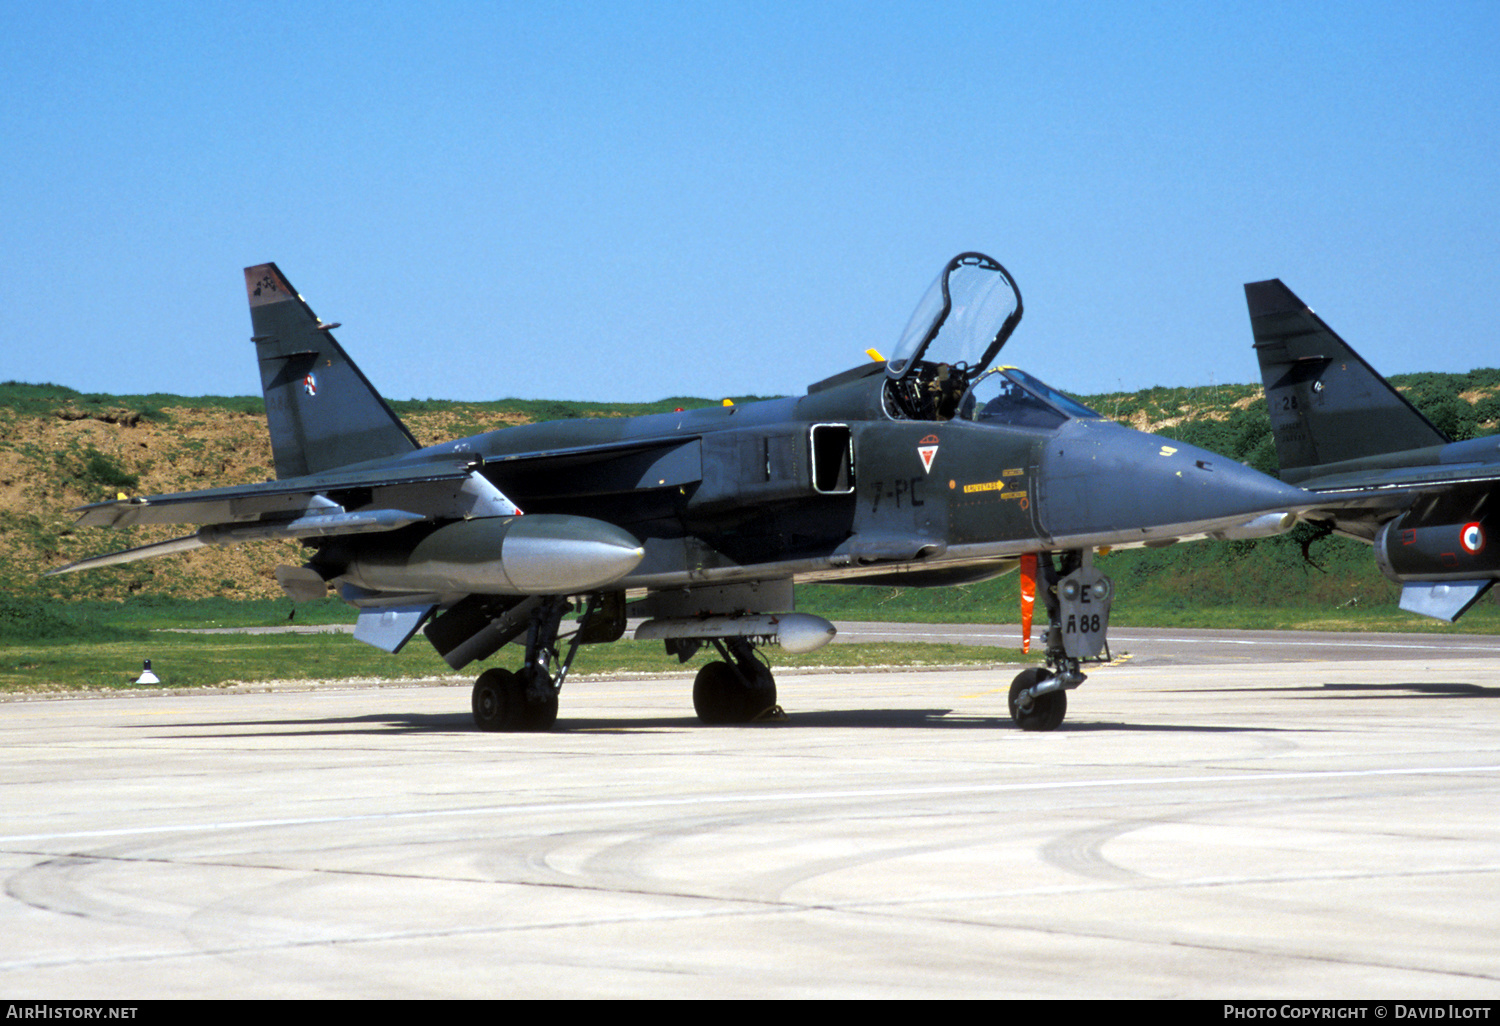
927,449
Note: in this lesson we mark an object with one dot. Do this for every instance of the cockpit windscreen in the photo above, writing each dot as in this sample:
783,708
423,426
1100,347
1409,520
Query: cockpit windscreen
1011,396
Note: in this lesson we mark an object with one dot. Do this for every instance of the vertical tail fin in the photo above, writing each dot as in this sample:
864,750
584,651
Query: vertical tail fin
1326,404
322,412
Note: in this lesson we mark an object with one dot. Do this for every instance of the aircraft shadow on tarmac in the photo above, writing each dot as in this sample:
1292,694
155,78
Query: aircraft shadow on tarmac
448,723
870,719
1420,689
1411,689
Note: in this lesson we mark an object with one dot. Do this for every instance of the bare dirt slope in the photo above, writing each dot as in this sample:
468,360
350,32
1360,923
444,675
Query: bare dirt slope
73,455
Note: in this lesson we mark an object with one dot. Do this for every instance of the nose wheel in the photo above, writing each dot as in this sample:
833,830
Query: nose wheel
1033,711
1078,598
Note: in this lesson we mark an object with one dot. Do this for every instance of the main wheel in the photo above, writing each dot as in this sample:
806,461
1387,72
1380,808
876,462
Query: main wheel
1044,712
761,695
720,696
499,701
538,715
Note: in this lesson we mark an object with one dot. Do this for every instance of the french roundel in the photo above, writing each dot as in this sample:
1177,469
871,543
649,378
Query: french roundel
1472,539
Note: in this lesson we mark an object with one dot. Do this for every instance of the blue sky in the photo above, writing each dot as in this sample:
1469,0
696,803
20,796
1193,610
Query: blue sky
625,201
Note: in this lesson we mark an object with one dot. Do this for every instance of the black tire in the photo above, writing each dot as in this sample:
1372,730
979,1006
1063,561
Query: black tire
538,715
715,694
1046,712
721,697
499,701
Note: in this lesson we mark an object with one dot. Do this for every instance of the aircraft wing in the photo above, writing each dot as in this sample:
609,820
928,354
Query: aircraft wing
1358,504
356,501
391,495
240,503
1358,514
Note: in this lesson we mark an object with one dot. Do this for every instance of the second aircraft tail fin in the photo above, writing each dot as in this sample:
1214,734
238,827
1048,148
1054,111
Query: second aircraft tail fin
321,410
1326,404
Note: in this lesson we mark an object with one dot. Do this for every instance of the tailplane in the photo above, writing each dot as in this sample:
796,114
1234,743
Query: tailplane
1326,404
322,412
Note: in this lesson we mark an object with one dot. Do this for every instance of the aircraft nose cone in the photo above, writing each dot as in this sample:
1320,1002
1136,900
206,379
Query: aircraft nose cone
1103,479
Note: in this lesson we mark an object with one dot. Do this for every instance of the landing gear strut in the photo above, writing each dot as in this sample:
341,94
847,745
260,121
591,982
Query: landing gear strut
526,700
736,690
1078,599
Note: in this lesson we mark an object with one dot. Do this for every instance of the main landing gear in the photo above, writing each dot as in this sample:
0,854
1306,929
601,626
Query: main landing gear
515,701
526,700
1077,598
738,689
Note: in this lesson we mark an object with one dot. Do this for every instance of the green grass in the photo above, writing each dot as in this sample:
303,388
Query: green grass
45,399
61,646
998,602
183,660
56,646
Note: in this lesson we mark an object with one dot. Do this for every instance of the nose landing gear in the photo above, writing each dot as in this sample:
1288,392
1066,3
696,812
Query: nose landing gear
1078,600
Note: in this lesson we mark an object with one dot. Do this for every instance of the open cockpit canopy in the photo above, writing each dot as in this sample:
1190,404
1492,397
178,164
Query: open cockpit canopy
963,320
955,333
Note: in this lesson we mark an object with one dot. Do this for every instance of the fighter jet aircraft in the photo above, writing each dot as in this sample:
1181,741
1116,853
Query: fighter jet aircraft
1392,479
927,468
